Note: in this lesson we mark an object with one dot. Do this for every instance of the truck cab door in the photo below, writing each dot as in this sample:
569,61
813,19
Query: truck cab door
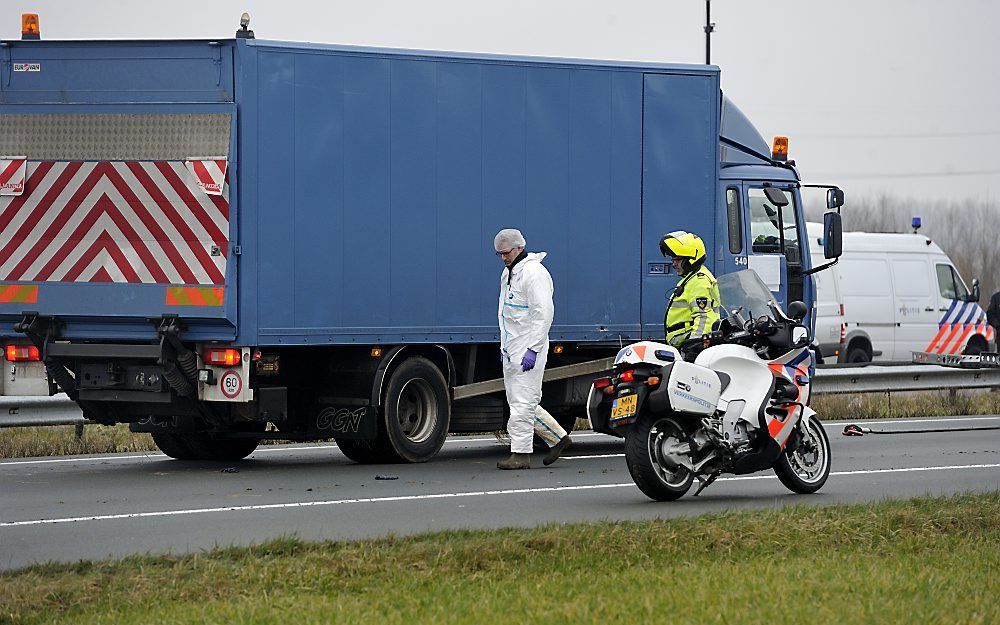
777,244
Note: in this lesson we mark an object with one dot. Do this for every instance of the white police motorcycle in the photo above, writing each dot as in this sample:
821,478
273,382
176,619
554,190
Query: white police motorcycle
735,401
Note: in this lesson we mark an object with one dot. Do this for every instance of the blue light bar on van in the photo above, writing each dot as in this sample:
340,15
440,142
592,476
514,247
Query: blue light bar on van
915,224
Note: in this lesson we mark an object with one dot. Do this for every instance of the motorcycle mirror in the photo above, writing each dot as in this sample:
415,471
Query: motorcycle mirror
797,310
800,336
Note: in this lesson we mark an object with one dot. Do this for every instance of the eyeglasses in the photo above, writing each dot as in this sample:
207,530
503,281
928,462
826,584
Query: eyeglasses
499,253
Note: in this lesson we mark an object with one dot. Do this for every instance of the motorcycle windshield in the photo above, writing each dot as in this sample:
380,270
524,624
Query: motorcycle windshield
744,295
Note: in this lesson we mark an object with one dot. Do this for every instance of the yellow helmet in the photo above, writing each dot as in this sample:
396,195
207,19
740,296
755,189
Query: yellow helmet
681,244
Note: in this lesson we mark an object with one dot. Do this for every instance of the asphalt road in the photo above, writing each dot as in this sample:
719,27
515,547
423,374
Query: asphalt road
86,507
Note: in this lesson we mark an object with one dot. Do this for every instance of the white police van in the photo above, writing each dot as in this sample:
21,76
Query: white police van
896,294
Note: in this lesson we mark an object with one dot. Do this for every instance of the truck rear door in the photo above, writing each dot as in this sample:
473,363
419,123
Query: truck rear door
119,206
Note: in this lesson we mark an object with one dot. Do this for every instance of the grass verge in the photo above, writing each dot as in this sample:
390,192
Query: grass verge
927,560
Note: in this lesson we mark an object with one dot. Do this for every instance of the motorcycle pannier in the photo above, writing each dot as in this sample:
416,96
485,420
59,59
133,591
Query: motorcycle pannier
694,389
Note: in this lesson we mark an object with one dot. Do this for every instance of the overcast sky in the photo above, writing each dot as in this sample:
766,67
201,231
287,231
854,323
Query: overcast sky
901,96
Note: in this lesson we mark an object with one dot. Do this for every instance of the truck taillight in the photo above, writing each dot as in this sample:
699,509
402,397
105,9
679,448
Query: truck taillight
222,356
22,353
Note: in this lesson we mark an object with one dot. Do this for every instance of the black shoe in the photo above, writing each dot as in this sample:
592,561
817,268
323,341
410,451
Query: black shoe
516,461
557,450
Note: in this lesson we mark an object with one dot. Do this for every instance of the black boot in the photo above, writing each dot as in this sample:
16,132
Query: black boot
557,450
516,461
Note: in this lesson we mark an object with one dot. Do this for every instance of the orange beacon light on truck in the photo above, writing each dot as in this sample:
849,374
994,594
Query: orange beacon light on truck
779,150
29,26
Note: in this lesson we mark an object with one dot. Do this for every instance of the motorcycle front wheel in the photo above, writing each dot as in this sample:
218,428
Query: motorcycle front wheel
804,470
645,446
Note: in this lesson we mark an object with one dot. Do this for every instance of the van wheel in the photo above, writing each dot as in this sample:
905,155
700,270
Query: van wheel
416,412
976,346
858,354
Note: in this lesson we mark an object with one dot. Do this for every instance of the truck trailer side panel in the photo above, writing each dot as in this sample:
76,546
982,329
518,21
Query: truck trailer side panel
379,181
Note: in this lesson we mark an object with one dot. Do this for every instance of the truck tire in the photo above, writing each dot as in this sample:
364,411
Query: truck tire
220,449
416,412
364,452
174,446
198,446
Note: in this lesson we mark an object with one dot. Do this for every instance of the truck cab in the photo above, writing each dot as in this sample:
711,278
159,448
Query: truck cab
757,228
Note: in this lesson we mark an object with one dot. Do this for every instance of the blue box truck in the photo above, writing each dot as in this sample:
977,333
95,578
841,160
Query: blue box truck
223,241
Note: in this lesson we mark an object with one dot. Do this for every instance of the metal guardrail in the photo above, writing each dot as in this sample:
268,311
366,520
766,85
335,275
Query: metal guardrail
60,410
882,379
37,411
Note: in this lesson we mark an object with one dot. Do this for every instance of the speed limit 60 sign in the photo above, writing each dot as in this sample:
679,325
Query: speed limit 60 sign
231,383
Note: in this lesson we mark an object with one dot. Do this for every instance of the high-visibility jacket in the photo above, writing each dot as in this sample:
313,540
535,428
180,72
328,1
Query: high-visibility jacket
693,307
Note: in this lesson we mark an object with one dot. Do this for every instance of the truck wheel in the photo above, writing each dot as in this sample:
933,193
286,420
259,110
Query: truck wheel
197,446
363,452
174,446
416,412
220,449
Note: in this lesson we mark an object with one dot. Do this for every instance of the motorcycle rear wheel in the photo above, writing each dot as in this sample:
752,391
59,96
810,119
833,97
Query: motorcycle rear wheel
805,469
643,455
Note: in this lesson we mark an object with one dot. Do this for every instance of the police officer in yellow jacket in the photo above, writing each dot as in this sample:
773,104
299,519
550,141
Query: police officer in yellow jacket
694,305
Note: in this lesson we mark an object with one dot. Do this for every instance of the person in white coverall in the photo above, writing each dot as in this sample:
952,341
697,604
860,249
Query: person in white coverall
525,315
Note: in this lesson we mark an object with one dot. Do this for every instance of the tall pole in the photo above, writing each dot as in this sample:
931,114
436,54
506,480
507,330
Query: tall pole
709,27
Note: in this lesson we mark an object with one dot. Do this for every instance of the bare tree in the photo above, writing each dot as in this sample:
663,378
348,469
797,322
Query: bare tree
967,231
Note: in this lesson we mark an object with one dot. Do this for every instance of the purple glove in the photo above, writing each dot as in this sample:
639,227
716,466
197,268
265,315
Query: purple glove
528,362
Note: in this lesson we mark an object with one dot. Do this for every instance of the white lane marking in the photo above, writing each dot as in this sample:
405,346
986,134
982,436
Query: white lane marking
591,456
86,459
911,421
481,493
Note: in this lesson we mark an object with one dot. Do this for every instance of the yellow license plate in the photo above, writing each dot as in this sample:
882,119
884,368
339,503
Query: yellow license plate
624,406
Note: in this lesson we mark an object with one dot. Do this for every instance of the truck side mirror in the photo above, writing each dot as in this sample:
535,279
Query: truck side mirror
974,296
776,196
834,198
833,234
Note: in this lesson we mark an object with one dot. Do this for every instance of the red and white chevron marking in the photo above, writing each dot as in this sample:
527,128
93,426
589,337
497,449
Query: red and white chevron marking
133,222
12,175
209,174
